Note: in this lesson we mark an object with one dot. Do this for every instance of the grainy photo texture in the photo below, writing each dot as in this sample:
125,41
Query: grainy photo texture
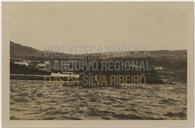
98,61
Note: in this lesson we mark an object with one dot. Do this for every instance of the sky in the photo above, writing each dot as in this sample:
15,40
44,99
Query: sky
97,26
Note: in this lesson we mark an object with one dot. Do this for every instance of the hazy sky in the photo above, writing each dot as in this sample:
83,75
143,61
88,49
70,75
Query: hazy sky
135,25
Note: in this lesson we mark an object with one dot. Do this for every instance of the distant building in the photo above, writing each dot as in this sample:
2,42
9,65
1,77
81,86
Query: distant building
65,74
21,63
158,68
40,65
43,66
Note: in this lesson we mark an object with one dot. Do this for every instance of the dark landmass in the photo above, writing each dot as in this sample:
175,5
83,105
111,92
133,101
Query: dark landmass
169,66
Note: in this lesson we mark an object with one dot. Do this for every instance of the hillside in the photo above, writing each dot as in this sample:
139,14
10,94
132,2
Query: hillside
17,50
172,62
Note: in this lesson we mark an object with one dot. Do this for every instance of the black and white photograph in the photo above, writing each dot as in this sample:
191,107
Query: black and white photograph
98,61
